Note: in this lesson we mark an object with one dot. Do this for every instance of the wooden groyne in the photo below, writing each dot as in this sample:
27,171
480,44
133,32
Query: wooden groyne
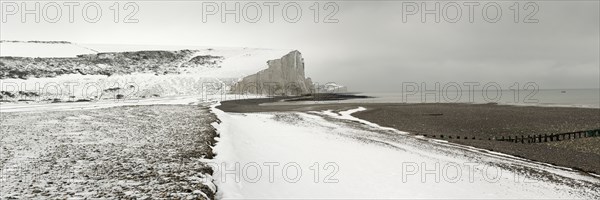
527,139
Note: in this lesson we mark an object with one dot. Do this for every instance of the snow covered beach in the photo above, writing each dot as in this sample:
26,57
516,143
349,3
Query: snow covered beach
325,155
469,124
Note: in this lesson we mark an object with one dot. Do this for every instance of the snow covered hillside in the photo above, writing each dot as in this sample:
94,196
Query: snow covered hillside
62,73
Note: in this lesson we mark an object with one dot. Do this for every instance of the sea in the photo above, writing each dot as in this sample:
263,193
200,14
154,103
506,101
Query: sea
586,98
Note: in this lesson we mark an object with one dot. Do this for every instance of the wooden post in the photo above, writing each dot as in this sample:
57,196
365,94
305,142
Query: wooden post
522,141
529,139
545,138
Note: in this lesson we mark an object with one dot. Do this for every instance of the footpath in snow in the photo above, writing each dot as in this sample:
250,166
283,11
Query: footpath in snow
330,155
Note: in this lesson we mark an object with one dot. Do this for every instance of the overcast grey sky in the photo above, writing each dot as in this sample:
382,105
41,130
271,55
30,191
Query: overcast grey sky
370,48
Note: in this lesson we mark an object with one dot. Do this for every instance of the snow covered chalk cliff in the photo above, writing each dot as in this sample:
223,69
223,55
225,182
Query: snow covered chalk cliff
54,72
284,76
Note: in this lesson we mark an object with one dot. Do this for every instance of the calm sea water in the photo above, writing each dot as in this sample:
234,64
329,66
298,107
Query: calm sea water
544,97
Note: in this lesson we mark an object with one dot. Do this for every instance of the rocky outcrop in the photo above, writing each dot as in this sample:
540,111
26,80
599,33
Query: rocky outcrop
330,88
284,76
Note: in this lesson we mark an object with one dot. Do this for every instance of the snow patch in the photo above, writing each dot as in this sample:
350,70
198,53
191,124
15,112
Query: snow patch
347,115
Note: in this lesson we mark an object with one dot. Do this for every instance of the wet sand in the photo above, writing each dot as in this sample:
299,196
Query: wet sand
479,121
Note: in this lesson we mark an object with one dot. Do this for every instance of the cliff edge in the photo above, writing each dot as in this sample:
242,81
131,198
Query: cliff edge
284,76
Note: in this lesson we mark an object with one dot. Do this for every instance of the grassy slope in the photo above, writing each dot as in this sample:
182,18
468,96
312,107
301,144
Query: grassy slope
120,152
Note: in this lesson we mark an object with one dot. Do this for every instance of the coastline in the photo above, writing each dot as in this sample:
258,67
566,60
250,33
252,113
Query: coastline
479,121
373,113
366,154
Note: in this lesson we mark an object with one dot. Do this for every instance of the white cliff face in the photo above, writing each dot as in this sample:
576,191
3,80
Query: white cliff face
284,76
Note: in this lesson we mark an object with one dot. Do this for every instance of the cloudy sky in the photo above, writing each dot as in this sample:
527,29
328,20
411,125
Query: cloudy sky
371,47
